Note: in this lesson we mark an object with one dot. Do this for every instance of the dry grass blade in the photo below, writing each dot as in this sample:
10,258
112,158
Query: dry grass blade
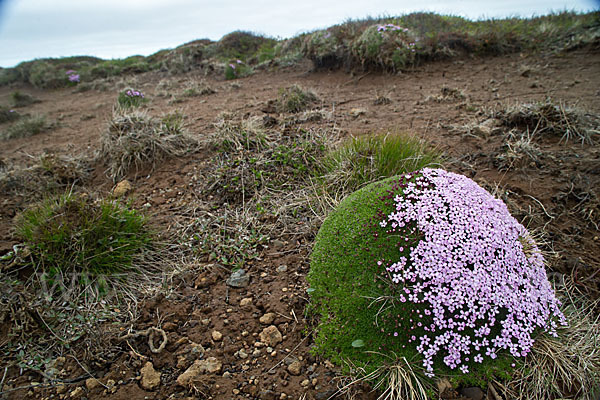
553,118
134,139
396,381
567,366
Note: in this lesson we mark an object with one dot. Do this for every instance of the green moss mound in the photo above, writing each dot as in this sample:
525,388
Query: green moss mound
362,325
345,281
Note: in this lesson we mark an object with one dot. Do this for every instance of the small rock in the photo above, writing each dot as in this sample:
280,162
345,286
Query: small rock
111,385
170,326
295,368
238,279
282,268
209,366
122,188
246,302
78,392
305,383
271,336
241,354
473,393
443,385
277,244
150,377
92,383
61,388
267,319
357,112
217,336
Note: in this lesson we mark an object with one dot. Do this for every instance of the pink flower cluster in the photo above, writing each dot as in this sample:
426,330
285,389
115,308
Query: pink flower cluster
469,273
73,76
391,27
134,93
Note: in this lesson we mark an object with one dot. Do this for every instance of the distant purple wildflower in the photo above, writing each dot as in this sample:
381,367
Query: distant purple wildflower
469,271
74,78
232,66
134,93
238,61
69,72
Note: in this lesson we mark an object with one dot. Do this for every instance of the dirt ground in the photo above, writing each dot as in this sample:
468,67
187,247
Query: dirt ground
555,193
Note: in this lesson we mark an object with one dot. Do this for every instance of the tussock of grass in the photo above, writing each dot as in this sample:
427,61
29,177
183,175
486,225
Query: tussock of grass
25,127
19,99
75,234
8,115
567,366
251,159
552,118
419,37
82,260
197,88
135,139
365,159
294,99
244,45
49,174
518,151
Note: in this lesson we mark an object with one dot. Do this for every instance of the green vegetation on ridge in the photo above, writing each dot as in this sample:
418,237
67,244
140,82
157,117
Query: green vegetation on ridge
390,44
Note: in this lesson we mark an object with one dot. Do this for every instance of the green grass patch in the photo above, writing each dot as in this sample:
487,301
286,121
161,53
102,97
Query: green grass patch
365,159
25,127
76,234
398,43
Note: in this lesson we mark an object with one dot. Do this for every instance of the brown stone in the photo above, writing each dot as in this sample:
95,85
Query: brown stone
271,336
122,188
200,367
295,368
150,377
267,319
92,383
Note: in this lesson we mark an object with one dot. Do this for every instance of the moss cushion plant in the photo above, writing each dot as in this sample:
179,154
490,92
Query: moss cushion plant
430,271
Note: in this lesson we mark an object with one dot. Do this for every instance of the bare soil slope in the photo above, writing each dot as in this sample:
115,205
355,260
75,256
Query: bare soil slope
450,104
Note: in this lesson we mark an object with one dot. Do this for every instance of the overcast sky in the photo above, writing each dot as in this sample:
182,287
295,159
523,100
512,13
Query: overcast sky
118,28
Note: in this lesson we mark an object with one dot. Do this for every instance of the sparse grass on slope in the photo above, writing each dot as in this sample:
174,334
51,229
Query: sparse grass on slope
390,44
25,127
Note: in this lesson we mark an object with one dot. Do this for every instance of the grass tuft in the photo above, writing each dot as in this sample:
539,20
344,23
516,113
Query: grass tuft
551,118
135,139
294,99
76,234
8,115
567,366
19,99
25,127
365,159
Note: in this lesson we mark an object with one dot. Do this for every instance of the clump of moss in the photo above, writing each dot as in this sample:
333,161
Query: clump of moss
407,272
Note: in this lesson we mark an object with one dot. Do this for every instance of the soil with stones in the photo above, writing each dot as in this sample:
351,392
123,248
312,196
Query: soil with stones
251,338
